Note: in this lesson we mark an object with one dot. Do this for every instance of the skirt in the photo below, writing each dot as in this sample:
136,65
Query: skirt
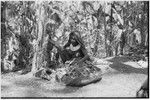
75,75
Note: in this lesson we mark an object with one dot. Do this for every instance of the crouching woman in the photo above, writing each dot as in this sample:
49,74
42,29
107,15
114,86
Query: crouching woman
79,69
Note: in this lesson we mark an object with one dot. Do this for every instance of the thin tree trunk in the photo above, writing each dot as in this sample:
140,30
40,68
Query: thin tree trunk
142,31
3,31
97,35
105,33
147,10
110,53
116,49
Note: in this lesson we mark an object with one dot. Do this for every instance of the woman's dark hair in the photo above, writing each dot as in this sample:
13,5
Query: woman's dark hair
77,36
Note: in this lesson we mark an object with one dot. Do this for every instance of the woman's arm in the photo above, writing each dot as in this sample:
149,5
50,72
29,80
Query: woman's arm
67,44
86,56
56,45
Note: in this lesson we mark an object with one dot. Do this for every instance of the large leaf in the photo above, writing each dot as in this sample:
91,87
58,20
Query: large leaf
118,17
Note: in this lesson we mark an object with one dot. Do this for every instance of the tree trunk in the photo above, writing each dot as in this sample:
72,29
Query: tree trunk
96,44
105,33
116,49
143,35
3,33
97,35
147,21
110,53
38,55
122,42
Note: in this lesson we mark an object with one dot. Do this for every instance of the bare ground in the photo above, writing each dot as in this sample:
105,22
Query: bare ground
121,78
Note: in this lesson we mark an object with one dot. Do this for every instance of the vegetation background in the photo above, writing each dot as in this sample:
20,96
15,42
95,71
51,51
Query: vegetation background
107,29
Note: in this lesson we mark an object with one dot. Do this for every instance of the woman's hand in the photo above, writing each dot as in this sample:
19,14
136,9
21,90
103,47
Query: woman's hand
56,45
84,58
80,64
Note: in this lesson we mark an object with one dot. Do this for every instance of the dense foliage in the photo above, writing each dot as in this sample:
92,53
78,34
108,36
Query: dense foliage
107,29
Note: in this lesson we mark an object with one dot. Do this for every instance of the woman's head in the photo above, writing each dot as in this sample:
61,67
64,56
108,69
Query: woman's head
74,36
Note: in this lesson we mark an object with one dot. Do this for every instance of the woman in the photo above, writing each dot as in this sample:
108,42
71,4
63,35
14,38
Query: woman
76,48
80,66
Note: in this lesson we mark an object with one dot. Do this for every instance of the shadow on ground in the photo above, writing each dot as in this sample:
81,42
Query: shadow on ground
27,83
119,59
33,93
3,87
66,90
117,64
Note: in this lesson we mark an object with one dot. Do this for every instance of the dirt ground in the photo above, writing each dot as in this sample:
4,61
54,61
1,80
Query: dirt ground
121,78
